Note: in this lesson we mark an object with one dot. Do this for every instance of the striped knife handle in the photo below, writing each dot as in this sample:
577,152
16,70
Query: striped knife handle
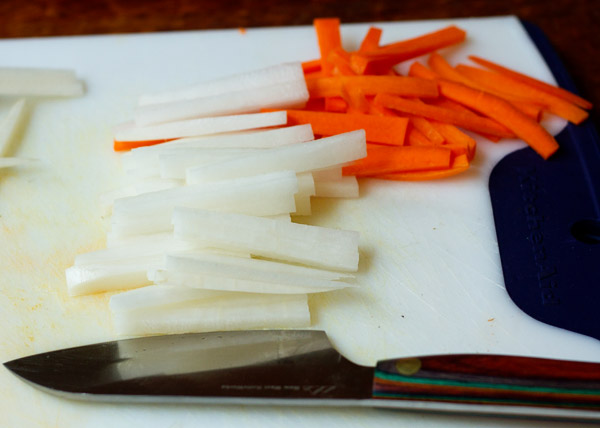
490,379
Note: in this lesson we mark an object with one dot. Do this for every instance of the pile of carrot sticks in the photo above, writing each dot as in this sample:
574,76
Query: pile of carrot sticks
415,124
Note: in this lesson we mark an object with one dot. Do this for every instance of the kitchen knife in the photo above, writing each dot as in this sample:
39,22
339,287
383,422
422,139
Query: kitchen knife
301,367
547,219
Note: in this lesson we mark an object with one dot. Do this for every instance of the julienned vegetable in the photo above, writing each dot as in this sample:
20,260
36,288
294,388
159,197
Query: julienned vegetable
10,124
259,195
543,86
159,309
505,113
29,82
144,162
261,78
250,98
260,177
128,135
384,130
228,273
304,157
219,248
495,103
44,82
291,242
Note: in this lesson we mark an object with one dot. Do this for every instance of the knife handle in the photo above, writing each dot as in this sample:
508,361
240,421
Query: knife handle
490,380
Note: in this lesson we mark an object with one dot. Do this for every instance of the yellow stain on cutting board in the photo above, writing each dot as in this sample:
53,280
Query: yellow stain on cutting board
48,215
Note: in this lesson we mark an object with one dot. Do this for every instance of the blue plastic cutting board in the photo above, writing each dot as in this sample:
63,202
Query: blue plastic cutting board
547,218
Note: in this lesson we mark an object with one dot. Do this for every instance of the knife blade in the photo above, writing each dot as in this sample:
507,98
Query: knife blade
301,367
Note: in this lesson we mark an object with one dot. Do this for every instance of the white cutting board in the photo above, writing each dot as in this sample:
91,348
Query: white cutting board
430,276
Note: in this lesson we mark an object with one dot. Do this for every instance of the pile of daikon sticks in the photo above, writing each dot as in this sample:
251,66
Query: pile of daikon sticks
202,236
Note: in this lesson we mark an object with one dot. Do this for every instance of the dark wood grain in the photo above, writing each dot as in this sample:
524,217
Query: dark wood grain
571,25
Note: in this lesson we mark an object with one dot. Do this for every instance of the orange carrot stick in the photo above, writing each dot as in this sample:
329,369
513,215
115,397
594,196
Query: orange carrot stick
385,130
502,111
459,118
313,74
378,61
315,104
328,37
378,110
426,43
506,85
459,164
456,138
371,40
530,109
336,104
324,87
311,66
383,159
543,86
356,99
340,60
453,105
426,127
442,68
372,85
414,137
397,85
128,145
419,70
428,130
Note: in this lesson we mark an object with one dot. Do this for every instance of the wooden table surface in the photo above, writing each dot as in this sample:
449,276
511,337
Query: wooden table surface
571,25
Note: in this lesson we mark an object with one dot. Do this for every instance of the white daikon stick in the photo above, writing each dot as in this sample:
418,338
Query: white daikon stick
137,159
157,184
345,187
303,205
141,240
246,285
165,240
143,162
206,312
306,183
306,189
144,186
173,164
96,278
39,82
201,126
334,173
209,271
280,217
284,95
309,156
199,261
267,76
310,245
12,161
9,125
156,296
263,195
108,198
261,139
159,246
149,171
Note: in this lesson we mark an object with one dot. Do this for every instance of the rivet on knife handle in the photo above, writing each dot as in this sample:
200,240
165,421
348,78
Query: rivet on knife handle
490,379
